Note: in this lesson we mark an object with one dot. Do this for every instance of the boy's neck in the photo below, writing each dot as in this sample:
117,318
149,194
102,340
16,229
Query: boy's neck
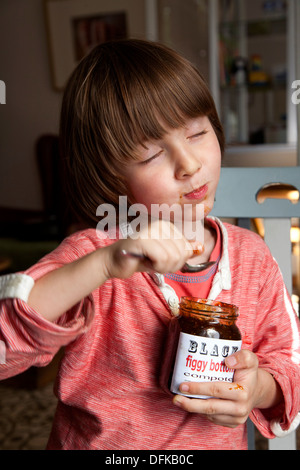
210,239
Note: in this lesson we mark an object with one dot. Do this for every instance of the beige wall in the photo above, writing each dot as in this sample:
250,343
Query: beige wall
183,25
32,106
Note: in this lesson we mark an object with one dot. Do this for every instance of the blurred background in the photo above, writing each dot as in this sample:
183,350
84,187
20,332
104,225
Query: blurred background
245,49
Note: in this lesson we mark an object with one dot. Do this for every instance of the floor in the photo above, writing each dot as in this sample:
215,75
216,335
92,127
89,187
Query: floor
26,417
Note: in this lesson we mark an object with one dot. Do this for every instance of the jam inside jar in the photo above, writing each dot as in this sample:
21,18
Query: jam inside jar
199,340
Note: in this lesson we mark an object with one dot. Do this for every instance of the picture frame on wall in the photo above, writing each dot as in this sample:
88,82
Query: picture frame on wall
75,27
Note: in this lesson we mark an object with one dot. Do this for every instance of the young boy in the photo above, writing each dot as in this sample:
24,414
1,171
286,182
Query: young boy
138,121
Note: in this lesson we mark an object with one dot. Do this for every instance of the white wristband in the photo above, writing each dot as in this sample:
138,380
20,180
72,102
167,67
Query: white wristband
16,286
279,432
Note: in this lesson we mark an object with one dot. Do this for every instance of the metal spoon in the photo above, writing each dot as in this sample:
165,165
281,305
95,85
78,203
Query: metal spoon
186,268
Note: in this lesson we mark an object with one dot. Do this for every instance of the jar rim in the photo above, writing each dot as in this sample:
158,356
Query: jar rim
208,306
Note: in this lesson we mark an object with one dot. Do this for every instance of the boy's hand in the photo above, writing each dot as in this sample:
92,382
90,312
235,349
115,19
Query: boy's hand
162,243
253,387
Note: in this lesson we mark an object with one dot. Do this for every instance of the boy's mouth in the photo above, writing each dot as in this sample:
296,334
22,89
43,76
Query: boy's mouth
198,193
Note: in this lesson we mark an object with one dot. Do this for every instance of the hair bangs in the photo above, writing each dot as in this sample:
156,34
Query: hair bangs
147,91
156,104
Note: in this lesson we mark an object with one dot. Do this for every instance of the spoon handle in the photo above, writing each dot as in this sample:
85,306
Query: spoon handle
186,268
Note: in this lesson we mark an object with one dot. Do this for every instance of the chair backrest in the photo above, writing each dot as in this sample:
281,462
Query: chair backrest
237,198
238,187
55,198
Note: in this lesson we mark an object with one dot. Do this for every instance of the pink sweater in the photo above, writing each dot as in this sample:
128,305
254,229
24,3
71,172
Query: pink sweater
107,385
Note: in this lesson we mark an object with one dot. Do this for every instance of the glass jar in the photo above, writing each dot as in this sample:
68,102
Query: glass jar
199,340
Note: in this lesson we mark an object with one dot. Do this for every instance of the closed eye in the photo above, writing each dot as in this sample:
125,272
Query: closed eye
199,134
144,162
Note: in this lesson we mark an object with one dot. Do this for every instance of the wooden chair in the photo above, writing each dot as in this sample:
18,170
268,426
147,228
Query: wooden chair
237,198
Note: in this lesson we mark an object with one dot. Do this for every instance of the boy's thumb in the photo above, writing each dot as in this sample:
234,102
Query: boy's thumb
242,359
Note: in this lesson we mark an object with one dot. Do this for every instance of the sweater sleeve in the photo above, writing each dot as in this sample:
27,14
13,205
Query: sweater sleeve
277,346
26,338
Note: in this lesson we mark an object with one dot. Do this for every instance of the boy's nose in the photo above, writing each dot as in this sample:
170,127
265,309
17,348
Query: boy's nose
187,164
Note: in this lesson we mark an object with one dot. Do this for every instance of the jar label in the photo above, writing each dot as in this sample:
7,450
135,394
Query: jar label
201,359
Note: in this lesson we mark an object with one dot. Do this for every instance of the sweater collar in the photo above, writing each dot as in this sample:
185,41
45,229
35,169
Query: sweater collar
221,280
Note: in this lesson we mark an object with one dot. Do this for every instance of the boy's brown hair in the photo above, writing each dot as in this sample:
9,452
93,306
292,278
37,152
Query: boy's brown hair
121,95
